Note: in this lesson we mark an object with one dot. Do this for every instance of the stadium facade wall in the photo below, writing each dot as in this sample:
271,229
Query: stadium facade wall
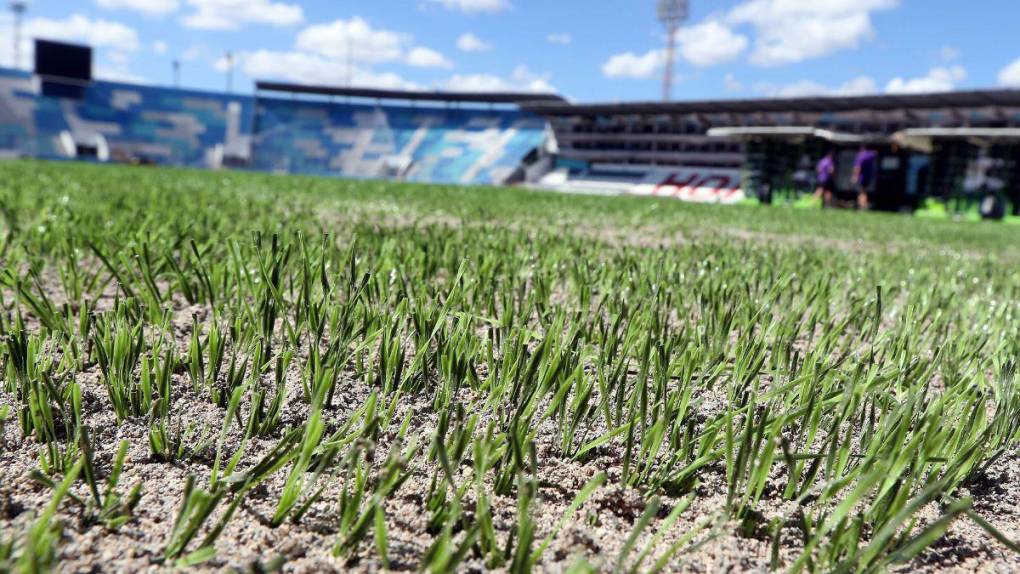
132,123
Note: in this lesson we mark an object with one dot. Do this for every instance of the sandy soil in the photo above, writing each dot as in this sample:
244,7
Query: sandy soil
597,533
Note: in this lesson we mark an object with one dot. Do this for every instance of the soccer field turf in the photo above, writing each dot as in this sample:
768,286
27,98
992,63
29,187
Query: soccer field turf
256,372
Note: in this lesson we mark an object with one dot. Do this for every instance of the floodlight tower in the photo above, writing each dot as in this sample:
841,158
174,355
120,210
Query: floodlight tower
671,13
18,9
229,60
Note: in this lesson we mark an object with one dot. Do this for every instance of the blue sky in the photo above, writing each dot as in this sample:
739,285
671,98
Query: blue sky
601,50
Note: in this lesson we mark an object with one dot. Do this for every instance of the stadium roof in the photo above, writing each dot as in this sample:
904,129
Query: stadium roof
1006,134
962,99
924,138
786,132
372,93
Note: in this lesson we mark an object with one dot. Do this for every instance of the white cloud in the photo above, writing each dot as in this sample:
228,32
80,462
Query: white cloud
633,66
339,53
562,39
805,88
785,32
949,54
790,31
231,14
116,41
118,73
939,79
119,58
100,34
797,89
731,84
235,61
421,57
530,81
763,10
859,86
77,28
474,6
521,80
313,69
476,83
147,7
7,48
194,53
365,44
1010,75
160,47
710,43
470,43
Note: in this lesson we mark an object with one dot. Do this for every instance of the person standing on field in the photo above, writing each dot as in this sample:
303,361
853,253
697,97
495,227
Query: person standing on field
825,178
865,165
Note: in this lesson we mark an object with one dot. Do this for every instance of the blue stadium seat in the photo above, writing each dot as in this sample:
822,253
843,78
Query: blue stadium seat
202,129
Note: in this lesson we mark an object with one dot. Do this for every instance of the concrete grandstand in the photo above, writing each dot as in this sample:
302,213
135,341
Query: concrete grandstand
437,137
938,145
414,136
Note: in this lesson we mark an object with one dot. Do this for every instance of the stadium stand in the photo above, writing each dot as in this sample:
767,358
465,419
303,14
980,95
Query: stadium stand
765,143
408,142
415,136
122,122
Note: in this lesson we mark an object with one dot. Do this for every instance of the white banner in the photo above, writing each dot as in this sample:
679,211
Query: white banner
695,184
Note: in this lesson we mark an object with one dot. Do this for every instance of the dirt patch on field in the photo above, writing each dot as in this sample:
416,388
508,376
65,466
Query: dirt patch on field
597,533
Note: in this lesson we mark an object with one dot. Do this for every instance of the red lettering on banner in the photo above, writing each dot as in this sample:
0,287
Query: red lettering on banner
724,182
724,189
671,181
731,192
695,186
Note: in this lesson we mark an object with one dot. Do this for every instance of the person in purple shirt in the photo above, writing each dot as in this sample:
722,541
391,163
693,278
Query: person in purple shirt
865,167
825,178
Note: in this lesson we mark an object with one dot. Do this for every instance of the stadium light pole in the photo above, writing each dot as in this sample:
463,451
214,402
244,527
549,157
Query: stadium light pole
350,57
230,71
177,74
18,9
671,13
